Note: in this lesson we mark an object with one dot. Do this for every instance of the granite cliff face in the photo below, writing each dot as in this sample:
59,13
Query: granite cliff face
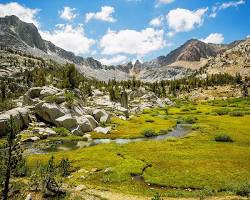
19,35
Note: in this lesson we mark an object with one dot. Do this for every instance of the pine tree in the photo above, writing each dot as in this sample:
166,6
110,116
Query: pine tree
12,158
3,90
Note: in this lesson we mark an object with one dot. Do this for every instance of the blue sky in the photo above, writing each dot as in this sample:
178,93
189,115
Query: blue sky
117,31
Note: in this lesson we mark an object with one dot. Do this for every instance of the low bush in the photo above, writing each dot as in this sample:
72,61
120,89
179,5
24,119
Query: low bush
221,111
157,196
149,133
150,120
7,105
163,132
237,113
185,109
243,189
52,99
69,97
223,138
186,120
62,131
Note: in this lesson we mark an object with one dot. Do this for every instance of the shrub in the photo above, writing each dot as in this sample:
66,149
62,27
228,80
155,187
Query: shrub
237,113
156,196
185,109
223,138
69,97
62,131
7,105
64,167
186,120
243,190
150,120
149,133
52,99
163,132
221,111
166,109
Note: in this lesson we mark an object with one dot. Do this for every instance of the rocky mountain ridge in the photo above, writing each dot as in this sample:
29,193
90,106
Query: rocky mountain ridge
192,55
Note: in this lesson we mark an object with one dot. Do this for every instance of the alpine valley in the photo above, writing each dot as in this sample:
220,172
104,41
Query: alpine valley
175,127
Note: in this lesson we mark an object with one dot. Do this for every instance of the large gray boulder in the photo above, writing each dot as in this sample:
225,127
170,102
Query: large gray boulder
83,126
32,96
66,121
92,121
35,94
101,116
48,91
20,116
49,111
102,130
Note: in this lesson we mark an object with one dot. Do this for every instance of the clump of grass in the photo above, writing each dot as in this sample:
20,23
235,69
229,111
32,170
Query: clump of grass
150,120
186,120
237,113
149,133
62,131
223,138
221,111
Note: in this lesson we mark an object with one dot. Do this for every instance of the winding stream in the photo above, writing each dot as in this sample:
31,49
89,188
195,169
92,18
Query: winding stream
179,131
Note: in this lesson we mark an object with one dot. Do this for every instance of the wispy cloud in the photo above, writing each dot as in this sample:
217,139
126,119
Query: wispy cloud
218,7
156,22
115,60
160,2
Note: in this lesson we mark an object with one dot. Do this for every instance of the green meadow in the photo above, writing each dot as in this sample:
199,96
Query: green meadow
193,165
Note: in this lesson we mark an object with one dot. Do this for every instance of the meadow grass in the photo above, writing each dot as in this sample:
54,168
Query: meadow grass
134,128
178,167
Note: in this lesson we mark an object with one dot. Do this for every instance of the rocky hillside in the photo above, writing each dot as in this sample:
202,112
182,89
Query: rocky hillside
232,61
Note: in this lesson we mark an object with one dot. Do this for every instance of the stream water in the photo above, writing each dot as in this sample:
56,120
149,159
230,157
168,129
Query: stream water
179,131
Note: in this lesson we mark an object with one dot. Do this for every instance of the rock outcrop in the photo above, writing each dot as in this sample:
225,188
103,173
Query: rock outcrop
20,116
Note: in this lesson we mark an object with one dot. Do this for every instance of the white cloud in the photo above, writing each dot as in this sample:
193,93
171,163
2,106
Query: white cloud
115,60
156,22
183,20
25,14
68,13
132,42
159,2
69,38
104,15
225,5
248,36
215,38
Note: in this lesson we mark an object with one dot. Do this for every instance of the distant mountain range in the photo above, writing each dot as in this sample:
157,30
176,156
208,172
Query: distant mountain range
194,54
